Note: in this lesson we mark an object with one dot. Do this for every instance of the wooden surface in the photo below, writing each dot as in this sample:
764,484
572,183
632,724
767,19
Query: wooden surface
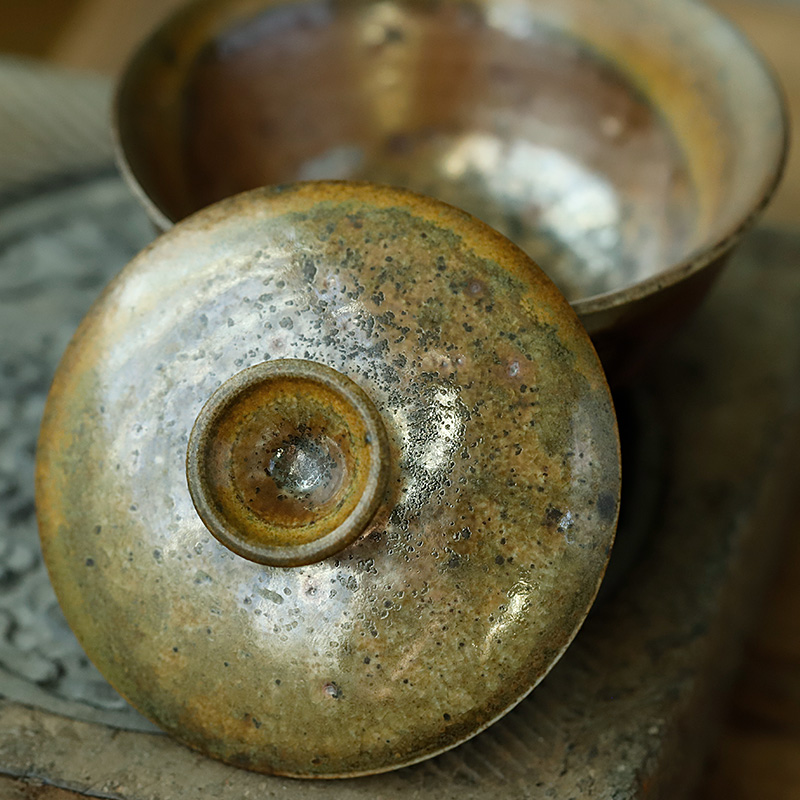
18,789
759,751
758,756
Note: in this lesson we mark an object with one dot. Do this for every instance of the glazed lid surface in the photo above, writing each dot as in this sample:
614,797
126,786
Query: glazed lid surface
368,383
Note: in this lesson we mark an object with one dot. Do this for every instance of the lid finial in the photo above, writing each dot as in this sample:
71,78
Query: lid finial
287,462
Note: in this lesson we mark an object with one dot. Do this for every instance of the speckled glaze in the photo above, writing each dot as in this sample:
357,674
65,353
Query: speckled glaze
624,145
494,526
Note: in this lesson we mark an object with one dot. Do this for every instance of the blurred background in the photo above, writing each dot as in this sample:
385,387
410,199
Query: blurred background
758,755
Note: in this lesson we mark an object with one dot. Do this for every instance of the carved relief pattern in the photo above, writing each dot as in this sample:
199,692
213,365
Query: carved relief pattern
57,250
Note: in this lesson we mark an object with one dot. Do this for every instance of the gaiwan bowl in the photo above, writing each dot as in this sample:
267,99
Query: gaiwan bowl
624,145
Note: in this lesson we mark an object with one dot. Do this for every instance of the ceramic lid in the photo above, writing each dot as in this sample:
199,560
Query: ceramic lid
328,479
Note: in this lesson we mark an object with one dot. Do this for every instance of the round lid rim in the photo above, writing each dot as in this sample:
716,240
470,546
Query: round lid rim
336,188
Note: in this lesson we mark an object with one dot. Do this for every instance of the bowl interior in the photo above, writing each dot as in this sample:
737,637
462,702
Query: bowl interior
610,141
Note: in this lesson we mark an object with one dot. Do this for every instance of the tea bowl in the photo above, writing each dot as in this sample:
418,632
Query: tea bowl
625,146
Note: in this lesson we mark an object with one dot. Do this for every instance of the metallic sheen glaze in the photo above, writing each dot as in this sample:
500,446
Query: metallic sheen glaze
624,145
493,534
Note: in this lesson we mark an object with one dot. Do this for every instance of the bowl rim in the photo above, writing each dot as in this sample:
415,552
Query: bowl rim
593,305
717,246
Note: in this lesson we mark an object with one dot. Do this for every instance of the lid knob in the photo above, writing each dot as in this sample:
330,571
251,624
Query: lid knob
287,462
